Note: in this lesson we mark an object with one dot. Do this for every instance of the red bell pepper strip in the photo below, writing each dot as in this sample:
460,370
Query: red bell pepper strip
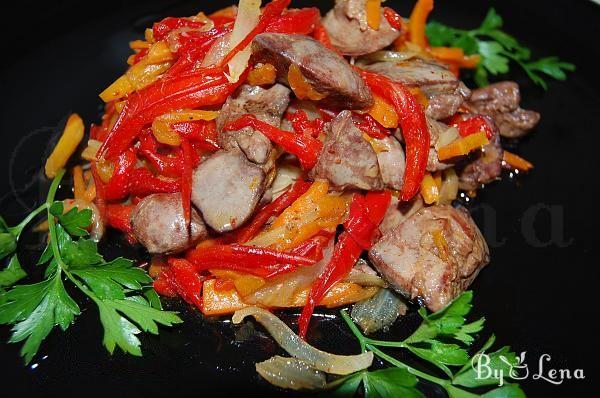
143,183
118,186
270,13
217,256
297,21
170,166
306,148
303,125
367,124
203,133
414,129
119,217
185,181
163,28
366,213
273,209
165,284
196,89
313,247
471,124
192,49
393,18
181,277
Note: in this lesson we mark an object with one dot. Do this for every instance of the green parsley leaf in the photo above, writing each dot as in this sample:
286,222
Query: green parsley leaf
12,273
126,302
73,221
8,244
391,382
120,331
497,49
36,310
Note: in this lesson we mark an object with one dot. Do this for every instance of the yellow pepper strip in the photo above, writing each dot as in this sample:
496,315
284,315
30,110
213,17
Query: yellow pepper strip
138,76
90,192
378,146
419,96
159,52
417,22
429,189
119,88
301,86
188,115
164,133
245,284
437,177
219,302
463,146
263,75
138,44
312,212
161,126
373,9
516,162
149,35
78,183
384,113
66,146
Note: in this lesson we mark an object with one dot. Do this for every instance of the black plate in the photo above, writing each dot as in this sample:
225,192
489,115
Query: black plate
538,294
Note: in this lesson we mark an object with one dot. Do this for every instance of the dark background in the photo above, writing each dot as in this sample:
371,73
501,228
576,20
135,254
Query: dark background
539,294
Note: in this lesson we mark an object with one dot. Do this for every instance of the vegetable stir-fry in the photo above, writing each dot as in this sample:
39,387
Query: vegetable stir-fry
270,157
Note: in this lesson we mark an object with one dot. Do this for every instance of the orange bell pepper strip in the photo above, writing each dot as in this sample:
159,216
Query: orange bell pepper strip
262,75
414,128
417,22
373,10
463,146
516,162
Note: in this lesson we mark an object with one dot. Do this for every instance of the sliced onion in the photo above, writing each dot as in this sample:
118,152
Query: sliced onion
364,275
247,18
386,56
300,349
287,174
291,373
280,291
446,137
449,190
378,312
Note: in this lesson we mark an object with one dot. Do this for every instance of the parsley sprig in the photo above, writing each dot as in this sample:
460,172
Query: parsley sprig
126,303
443,339
497,48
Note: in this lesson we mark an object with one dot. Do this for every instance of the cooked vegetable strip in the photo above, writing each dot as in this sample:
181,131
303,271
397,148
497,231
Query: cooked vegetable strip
414,129
306,148
310,214
429,189
255,260
463,146
271,11
516,162
273,209
320,360
417,21
66,145
365,216
247,18
373,10
202,88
